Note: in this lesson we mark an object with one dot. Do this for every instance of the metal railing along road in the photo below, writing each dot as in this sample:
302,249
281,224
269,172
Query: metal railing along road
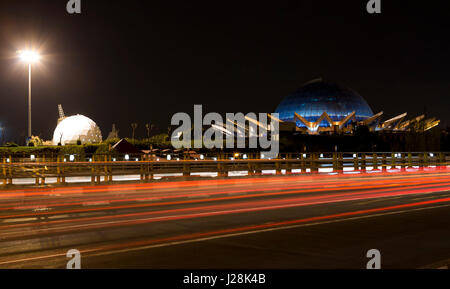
103,167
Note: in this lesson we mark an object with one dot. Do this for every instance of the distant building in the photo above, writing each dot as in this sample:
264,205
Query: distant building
124,147
324,107
75,128
320,107
113,134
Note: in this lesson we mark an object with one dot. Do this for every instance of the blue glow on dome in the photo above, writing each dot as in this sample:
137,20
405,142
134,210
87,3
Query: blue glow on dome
312,99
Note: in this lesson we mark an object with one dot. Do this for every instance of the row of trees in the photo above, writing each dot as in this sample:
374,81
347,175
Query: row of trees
148,127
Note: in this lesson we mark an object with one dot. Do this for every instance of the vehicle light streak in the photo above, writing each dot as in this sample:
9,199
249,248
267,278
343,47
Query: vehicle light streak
265,226
229,231
214,210
144,205
200,183
161,196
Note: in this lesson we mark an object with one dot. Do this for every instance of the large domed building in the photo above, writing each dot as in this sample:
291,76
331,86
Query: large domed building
316,97
76,128
324,107
319,106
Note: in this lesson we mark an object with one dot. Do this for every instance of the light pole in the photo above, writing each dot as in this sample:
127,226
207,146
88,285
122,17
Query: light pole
29,57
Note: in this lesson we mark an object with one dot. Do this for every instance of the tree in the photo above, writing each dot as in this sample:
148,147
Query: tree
133,127
60,138
149,128
37,141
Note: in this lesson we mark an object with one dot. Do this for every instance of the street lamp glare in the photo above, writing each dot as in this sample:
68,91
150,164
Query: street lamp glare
29,56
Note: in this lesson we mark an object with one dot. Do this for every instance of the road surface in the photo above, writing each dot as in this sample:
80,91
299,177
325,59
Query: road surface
280,222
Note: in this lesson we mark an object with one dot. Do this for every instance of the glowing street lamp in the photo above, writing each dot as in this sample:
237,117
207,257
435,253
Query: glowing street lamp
29,57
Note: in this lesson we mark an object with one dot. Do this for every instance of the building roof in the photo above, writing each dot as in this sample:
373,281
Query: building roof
124,147
316,97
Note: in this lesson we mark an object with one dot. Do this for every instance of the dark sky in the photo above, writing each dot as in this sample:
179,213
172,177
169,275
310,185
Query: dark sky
142,61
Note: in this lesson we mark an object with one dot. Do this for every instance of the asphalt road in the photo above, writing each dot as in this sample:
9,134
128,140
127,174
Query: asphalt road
296,221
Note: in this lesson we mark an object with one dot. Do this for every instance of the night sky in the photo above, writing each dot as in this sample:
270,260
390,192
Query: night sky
142,61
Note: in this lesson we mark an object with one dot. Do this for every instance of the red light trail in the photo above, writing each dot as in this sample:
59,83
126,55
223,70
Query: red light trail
50,212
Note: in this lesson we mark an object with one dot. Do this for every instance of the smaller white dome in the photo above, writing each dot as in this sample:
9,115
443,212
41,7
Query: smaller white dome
77,127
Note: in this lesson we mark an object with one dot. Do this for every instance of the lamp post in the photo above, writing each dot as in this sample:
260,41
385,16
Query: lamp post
29,57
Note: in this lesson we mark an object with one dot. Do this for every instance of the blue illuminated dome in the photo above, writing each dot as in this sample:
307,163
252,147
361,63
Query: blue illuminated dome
316,97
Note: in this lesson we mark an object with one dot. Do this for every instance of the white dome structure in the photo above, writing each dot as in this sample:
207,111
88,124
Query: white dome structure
76,127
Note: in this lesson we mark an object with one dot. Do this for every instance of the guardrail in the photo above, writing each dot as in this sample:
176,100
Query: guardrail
102,168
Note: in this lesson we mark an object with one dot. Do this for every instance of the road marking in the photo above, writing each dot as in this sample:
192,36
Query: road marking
381,200
198,196
426,196
19,220
95,203
41,209
443,264
147,199
59,216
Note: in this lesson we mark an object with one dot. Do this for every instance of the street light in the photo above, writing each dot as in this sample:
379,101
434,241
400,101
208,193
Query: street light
29,57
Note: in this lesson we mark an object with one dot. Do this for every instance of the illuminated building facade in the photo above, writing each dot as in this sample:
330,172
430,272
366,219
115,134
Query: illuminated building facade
75,128
324,107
